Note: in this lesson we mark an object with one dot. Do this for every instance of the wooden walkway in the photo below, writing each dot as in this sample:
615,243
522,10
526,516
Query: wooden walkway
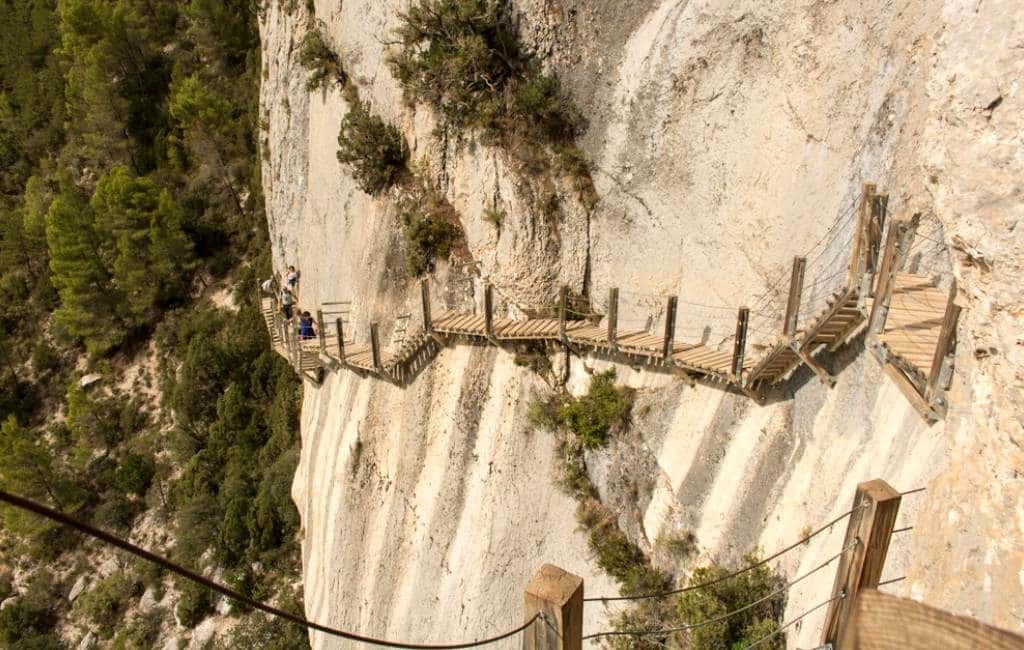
910,323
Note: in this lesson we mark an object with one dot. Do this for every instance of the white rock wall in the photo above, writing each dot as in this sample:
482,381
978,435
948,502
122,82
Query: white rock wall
727,137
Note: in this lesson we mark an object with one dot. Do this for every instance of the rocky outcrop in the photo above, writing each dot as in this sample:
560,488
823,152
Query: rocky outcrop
727,136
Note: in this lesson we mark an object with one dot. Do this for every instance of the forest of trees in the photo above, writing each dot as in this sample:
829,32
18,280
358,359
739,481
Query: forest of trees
129,182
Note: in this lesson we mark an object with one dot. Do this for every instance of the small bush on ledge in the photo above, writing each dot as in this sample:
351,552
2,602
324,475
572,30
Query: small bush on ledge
374,149
429,224
463,58
323,64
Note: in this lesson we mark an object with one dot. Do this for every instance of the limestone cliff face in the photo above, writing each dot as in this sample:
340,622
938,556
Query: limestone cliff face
727,136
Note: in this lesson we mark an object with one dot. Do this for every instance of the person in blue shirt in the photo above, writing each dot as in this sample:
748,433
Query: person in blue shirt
306,331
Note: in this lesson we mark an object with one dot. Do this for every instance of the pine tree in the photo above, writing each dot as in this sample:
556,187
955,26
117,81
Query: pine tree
27,467
89,304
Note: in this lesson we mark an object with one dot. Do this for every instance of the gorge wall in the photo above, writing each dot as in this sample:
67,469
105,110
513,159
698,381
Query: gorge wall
726,137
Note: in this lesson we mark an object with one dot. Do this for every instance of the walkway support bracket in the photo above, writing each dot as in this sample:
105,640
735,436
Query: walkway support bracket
375,348
563,305
340,329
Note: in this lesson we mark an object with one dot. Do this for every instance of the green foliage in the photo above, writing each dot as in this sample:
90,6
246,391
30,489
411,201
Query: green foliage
24,624
105,604
430,227
118,260
194,603
595,415
323,64
269,633
135,474
373,149
142,631
739,630
463,58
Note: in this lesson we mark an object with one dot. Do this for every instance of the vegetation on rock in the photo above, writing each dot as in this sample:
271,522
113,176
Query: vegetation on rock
323,64
373,149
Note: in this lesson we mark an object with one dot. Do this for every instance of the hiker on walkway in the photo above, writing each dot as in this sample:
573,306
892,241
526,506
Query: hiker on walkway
287,301
292,278
306,331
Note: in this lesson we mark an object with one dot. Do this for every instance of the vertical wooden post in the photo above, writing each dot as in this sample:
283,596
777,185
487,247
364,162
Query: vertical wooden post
320,333
740,344
613,318
489,312
796,288
946,334
867,542
375,347
876,224
428,324
341,339
897,247
860,238
557,596
670,328
563,300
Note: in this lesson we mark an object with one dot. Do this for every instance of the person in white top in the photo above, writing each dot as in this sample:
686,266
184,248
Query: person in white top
292,278
287,301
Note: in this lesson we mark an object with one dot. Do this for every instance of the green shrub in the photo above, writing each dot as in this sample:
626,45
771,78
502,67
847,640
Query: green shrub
745,627
142,632
194,603
681,545
268,633
115,511
135,474
321,61
104,605
21,621
593,417
463,58
430,230
373,149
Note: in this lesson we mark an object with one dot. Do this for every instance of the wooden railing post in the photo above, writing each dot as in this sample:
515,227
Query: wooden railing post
321,334
860,237
796,288
897,247
876,224
942,348
670,328
489,312
740,345
557,596
375,347
338,325
428,324
613,318
875,506
563,304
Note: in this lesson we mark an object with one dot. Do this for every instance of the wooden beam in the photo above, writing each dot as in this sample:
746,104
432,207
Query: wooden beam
563,300
868,531
375,347
321,335
341,339
886,622
670,328
860,239
489,312
897,247
796,287
947,334
613,318
557,596
876,224
740,344
824,375
428,323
